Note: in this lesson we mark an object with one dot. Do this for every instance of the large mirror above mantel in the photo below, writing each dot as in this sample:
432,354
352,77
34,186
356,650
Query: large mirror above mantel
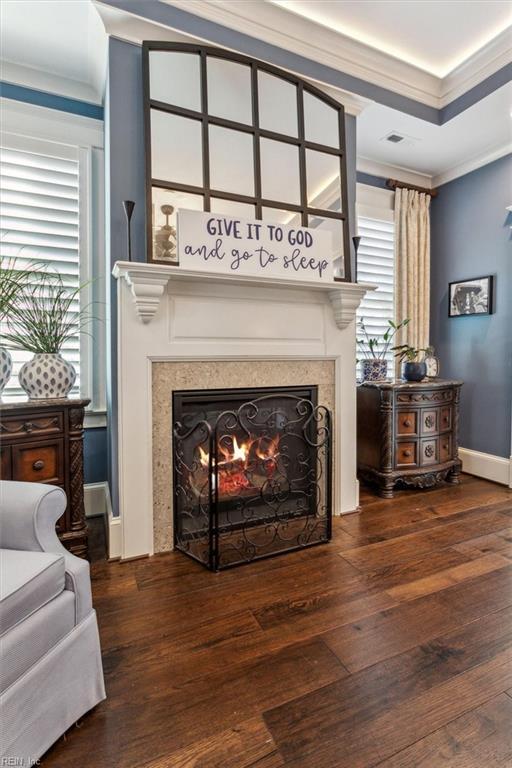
238,137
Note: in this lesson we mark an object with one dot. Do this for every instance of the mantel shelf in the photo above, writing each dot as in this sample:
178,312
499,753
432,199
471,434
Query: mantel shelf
148,283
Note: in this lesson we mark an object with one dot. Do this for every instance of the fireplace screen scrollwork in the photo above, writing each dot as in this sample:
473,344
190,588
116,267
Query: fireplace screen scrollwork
251,480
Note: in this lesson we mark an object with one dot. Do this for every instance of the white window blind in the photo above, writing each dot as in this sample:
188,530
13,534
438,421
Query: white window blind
375,264
39,222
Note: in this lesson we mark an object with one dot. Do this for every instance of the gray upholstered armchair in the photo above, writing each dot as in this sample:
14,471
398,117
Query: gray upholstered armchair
51,672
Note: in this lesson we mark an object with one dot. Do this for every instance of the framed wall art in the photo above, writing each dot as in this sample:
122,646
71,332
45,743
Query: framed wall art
471,297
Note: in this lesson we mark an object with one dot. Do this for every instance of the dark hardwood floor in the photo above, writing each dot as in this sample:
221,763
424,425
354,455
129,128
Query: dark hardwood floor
390,646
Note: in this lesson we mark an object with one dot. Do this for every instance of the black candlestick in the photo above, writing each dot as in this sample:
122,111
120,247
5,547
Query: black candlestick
128,206
356,240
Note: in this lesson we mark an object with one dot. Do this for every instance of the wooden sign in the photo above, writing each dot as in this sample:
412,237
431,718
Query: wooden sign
226,245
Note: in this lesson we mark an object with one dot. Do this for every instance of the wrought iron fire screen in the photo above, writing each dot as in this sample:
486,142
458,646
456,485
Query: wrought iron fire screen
252,473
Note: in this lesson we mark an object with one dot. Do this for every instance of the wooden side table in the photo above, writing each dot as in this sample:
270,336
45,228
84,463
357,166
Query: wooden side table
42,441
407,433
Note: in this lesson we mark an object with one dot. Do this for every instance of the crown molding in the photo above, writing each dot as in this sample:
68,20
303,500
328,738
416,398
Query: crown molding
275,25
482,64
22,119
408,176
472,165
388,171
307,38
49,82
124,26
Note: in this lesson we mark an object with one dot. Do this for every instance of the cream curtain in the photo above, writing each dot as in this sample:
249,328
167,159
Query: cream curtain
412,266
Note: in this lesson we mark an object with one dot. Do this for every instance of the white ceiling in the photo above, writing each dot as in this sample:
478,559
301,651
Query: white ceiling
434,35
60,46
480,131
50,42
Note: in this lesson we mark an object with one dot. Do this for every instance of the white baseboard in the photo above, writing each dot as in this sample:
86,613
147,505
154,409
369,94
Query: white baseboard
95,499
97,502
485,465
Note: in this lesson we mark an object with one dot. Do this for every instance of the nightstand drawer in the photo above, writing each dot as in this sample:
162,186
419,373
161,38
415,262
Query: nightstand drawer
445,420
40,425
406,454
429,452
41,462
430,421
407,423
424,397
445,448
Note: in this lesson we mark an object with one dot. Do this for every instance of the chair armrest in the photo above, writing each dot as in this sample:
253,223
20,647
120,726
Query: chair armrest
28,513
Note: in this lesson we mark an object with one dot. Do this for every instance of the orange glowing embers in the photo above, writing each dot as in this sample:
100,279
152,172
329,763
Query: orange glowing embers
246,464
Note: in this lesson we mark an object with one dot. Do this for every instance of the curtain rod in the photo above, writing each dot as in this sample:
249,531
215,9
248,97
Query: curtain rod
394,183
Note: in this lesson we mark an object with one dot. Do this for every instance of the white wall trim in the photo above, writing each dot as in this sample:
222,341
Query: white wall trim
485,62
308,38
114,538
375,203
97,503
408,176
95,499
495,468
95,419
471,165
49,82
50,124
385,170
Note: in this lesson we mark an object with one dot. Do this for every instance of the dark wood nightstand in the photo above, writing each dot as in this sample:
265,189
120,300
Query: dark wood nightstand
42,441
407,433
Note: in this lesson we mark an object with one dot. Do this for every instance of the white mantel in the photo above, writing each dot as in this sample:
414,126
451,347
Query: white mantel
166,313
148,282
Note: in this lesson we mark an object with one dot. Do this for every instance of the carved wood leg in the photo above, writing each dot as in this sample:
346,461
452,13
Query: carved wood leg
385,488
453,475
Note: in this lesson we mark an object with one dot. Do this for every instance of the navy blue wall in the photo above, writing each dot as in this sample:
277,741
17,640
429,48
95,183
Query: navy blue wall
95,455
471,237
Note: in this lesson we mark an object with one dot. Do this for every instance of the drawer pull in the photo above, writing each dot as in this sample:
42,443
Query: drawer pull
407,453
407,422
446,419
38,465
28,426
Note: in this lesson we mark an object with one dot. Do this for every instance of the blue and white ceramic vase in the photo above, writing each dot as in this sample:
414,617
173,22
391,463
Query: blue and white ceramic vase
47,377
374,370
5,367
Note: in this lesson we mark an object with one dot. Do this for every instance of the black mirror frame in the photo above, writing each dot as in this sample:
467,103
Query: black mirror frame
206,119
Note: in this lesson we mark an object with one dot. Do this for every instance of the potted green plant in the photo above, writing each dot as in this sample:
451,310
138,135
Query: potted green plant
12,281
413,369
42,318
374,366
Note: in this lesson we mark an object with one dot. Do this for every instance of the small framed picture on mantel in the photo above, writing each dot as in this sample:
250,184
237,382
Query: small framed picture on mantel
471,297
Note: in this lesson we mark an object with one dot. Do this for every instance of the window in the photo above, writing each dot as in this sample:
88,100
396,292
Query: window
375,264
229,134
39,222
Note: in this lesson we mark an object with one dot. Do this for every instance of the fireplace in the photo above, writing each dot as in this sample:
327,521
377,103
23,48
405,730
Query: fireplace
252,473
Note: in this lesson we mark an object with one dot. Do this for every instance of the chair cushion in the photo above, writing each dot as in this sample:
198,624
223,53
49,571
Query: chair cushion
26,643
28,580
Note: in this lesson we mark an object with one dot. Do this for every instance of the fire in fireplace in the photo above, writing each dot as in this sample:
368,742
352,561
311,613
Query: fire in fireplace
252,473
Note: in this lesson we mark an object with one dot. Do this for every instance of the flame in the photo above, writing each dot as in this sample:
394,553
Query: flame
204,457
234,472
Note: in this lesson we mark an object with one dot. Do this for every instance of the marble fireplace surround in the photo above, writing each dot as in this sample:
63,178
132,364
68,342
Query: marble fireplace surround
180,329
